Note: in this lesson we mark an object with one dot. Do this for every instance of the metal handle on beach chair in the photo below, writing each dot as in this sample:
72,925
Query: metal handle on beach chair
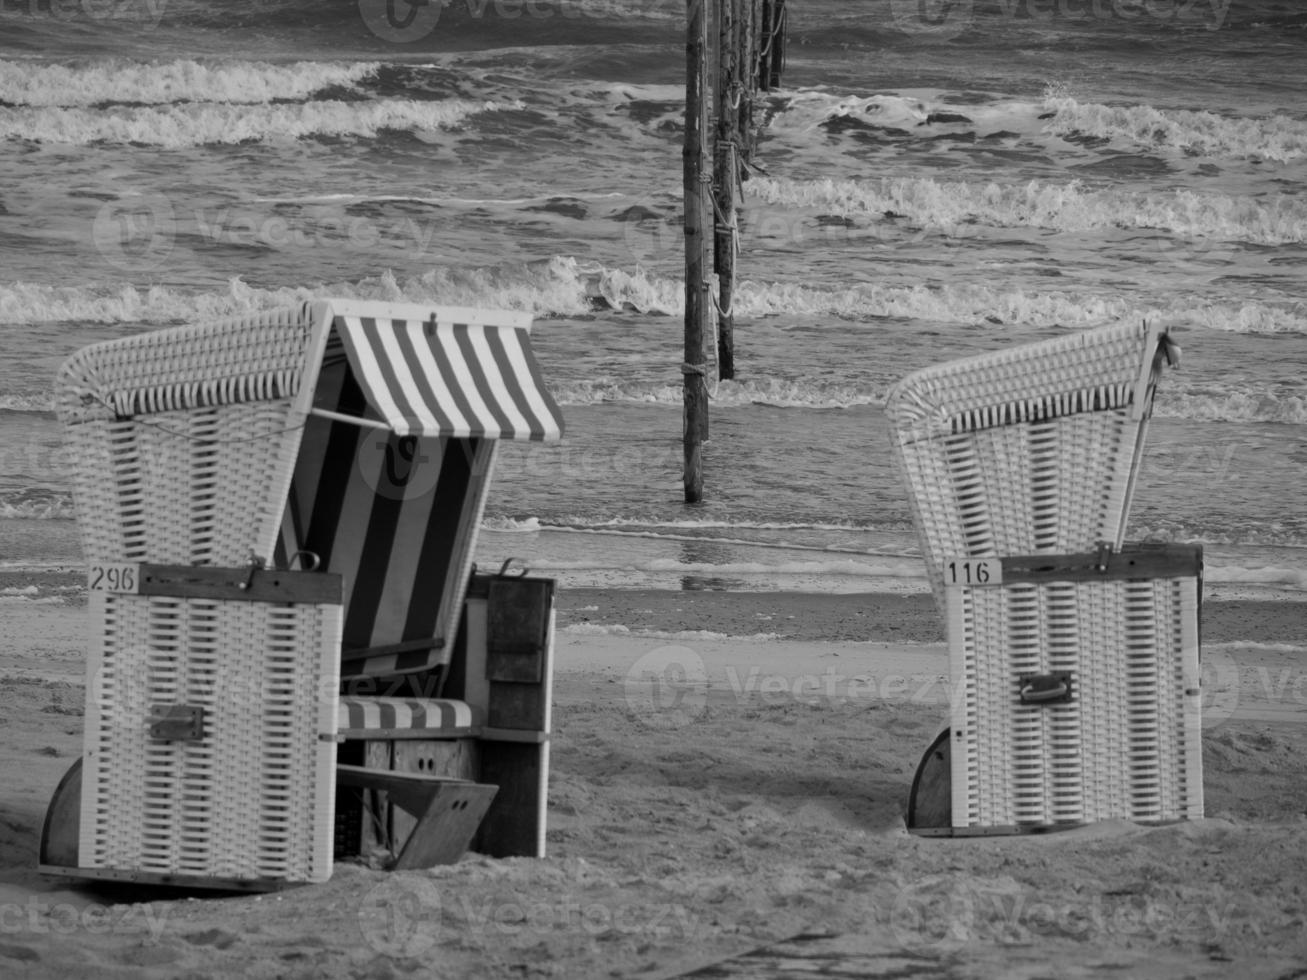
1054,688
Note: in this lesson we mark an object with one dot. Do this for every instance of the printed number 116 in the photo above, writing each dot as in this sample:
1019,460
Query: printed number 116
974,573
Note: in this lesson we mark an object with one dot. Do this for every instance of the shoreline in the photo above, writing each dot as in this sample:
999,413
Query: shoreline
1228,616
867,616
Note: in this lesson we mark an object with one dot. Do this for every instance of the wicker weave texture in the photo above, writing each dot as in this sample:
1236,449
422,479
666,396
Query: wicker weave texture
255,358
1126,746
198,487
184,440
251,799
1028,450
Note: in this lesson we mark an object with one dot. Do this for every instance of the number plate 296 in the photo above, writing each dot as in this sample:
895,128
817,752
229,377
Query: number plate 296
114,577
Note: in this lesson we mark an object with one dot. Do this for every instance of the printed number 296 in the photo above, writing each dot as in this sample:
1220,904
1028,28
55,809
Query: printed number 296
113,578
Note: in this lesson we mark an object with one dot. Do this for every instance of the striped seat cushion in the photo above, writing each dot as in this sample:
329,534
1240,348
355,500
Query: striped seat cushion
405,714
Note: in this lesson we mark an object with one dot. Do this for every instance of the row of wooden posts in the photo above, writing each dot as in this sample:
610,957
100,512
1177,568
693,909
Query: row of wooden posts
734,50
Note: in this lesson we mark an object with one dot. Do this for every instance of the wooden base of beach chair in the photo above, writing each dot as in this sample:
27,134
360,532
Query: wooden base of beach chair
367,823
62,829
930,802
1079,696
60,850
515,743
446,812
515,824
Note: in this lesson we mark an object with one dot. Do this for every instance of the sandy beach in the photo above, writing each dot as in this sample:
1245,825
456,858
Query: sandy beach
750,826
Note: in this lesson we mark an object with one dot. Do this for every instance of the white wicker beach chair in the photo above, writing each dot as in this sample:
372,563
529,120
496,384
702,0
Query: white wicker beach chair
1029,450
1074,662
271,505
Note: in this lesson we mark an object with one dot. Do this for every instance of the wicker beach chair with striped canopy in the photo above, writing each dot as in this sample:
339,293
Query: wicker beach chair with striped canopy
292,657
1074,658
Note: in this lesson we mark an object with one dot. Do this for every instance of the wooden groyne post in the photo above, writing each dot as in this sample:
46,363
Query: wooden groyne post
733,48
727,164
698,210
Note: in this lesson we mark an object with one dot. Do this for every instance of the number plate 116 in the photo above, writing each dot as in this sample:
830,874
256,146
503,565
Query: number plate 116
974,571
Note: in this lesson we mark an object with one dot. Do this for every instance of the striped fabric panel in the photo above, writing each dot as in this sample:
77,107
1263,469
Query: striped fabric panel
430,378
404,714
394,516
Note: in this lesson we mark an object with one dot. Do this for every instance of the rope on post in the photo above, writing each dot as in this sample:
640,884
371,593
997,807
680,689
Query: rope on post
732,225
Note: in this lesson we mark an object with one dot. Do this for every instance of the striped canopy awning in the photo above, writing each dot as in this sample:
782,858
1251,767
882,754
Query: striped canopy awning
449,378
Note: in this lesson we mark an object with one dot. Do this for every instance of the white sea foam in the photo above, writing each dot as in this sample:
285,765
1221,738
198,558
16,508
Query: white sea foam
806,110
1276,137
24,83
54,507
564,286
200,124
27,403
956,208
1279,138
1233,406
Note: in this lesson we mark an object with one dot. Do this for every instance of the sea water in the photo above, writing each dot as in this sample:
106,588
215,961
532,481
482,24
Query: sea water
932,180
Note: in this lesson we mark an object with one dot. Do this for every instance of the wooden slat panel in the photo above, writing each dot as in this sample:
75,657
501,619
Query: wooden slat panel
1165,561
240,584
